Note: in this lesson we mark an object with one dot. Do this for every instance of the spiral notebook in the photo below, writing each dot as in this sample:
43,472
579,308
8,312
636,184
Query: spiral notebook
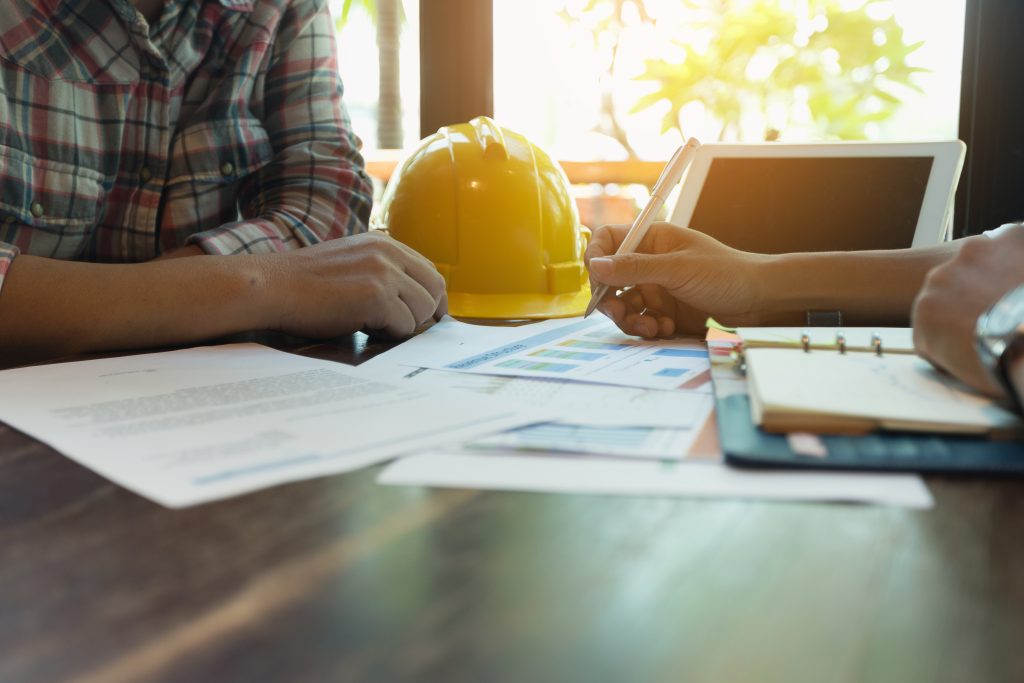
856,381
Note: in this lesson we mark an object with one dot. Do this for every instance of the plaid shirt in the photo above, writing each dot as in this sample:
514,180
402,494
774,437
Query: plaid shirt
222,125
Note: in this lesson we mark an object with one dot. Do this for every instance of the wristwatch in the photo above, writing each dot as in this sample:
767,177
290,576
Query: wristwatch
999,337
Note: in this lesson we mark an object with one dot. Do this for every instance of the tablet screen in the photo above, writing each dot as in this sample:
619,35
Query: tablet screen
778,205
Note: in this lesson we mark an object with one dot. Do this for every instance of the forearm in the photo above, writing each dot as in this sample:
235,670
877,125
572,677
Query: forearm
190,250
50,307
869,288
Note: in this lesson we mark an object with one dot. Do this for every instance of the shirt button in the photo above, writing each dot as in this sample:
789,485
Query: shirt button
145,175
37,209
227,168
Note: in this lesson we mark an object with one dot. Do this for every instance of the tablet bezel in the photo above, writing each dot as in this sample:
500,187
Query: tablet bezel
934,220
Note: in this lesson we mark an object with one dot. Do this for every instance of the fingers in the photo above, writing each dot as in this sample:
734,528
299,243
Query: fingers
642,311
649,311
640,325
632,269
442,307
614,308
605,241
416,266
946,311
400,324
660,238
421,303
616,305
919,319
420,290
398,305
364,282
405,288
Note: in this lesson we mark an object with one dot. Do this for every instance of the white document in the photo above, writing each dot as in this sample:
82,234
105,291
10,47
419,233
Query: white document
579,417
589,475
591,350
647,443
562,401
195,425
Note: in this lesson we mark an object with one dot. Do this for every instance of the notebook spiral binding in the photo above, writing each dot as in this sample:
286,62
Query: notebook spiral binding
739,357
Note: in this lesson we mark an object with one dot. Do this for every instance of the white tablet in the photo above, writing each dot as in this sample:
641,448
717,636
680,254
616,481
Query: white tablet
777,198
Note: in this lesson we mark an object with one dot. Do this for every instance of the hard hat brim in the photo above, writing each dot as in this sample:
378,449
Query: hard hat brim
518,306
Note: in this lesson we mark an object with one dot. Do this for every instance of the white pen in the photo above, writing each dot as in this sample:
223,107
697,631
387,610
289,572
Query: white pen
669,178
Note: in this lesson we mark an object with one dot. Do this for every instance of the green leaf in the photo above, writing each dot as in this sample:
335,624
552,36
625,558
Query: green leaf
647,101
843,101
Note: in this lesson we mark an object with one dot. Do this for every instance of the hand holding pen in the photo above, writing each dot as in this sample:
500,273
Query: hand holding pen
669,178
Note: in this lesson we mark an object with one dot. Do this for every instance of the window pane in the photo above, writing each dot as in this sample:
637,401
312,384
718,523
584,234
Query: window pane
364,44
617,79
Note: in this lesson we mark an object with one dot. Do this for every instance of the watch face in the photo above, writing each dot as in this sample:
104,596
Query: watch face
1005,317
998,326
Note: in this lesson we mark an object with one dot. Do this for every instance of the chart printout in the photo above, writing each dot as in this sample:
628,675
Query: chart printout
592,350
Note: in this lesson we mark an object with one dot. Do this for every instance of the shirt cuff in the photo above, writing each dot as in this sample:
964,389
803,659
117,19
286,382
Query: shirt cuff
266,235
7,254
245,237
996,232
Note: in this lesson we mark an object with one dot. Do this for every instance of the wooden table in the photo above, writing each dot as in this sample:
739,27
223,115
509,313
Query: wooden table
339,579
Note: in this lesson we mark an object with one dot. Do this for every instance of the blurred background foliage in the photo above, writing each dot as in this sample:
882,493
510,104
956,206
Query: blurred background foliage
827,68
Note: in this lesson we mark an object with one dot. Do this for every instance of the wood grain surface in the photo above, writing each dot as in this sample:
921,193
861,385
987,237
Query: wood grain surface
338,579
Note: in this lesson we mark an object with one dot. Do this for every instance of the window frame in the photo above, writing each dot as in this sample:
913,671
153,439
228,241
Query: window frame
991,190
456,62
457,83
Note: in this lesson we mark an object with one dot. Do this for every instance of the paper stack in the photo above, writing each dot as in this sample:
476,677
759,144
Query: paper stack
623,416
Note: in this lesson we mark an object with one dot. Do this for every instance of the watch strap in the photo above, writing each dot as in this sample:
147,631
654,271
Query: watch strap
1013,352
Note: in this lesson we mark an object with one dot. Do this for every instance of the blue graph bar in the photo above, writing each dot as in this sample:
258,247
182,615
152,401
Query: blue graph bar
682,353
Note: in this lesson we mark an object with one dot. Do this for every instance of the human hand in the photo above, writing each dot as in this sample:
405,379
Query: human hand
956,293
677,278
364,282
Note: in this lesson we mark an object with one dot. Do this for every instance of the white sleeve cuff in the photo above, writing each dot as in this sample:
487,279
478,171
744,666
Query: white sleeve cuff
1001,229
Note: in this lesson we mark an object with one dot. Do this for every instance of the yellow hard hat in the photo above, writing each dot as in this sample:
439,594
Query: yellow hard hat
494,213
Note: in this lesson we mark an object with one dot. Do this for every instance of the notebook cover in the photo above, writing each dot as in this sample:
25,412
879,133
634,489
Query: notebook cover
745,444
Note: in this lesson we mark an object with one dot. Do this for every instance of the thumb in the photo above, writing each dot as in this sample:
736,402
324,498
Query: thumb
627,270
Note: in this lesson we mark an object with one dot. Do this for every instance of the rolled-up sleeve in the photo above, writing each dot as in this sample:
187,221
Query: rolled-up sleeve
315,188
7,254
